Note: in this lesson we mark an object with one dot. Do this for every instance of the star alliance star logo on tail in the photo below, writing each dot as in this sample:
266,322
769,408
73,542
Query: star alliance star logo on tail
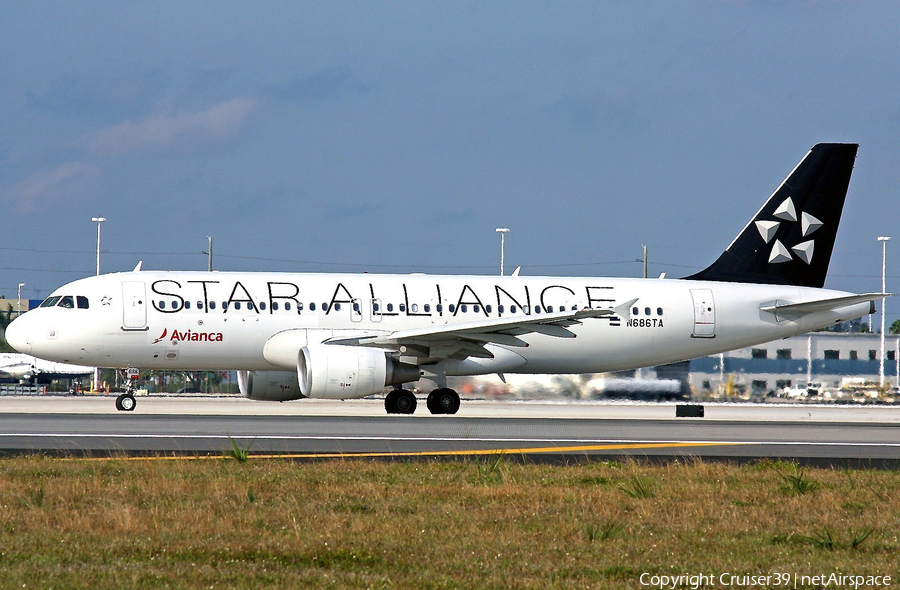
788,213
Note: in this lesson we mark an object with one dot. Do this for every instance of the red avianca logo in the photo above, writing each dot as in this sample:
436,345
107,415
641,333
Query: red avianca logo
190,336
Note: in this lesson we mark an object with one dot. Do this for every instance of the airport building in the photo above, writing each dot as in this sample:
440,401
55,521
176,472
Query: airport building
829,360
13,304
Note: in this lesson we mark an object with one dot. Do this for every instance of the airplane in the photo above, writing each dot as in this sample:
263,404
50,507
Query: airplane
25,368
339,336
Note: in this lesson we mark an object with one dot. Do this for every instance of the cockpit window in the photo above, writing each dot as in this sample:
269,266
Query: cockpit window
67,301
82,302
51,301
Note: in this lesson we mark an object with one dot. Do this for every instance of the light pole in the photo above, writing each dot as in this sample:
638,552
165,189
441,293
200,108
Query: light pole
19,303
502,231
98,221
209,254
645,260
884,240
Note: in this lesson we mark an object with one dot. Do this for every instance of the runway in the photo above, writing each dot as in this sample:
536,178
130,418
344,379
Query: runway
538,431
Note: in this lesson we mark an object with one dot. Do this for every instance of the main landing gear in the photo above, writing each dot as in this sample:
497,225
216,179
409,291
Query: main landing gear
443,401
440,401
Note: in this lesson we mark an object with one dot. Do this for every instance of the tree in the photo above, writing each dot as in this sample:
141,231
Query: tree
5,319
895,328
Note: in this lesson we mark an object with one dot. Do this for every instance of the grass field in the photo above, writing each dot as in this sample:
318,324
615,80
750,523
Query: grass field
489,523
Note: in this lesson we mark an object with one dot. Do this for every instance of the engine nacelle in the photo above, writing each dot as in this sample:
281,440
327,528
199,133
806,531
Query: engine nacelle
343,372
272,386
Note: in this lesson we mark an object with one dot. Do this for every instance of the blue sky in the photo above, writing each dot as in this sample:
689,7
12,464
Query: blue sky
395,136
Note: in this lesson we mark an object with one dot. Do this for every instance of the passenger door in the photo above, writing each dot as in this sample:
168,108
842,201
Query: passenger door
134,305
704,313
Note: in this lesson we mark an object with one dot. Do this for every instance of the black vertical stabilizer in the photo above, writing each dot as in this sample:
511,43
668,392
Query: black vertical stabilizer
789,241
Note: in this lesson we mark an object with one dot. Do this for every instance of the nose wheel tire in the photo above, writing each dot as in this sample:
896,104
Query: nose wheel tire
443,401
125,402
400,401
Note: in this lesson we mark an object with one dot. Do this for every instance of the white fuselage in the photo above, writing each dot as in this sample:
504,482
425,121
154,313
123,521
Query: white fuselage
223,320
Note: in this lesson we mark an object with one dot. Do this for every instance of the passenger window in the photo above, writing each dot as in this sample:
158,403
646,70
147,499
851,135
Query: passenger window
525,309
187,304
476,309
51,301
274,306
402,307
537,309
635,311
439,307
299,306
464,308
356,307
499,309
337,307
262,305
82,302
237,304
390,307
199,305
312,306
162,304
212,304
414,307
225,305
487,308
325,307
658,311
375,307
287,306
512,309
452,308
427,308
646,311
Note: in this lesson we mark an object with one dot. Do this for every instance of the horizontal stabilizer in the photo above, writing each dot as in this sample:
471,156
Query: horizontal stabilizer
823,304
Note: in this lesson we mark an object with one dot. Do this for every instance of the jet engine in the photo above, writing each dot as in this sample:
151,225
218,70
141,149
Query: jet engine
342,372
272,386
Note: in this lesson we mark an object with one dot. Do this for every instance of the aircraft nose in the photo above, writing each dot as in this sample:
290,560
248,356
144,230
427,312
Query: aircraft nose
19,336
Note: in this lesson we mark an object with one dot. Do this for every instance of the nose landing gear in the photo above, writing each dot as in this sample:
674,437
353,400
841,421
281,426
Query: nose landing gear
126,401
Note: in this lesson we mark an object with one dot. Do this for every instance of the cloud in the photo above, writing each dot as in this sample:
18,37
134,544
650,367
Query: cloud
111,93
217,122
448,217
48,185
616,114
347,211
329,84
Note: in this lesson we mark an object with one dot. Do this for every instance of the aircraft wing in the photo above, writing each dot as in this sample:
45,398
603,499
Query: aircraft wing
459,341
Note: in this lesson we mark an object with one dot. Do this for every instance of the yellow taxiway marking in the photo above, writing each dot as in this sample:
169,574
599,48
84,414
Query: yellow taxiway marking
458,453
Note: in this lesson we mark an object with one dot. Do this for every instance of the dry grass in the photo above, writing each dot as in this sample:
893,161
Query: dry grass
470,524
